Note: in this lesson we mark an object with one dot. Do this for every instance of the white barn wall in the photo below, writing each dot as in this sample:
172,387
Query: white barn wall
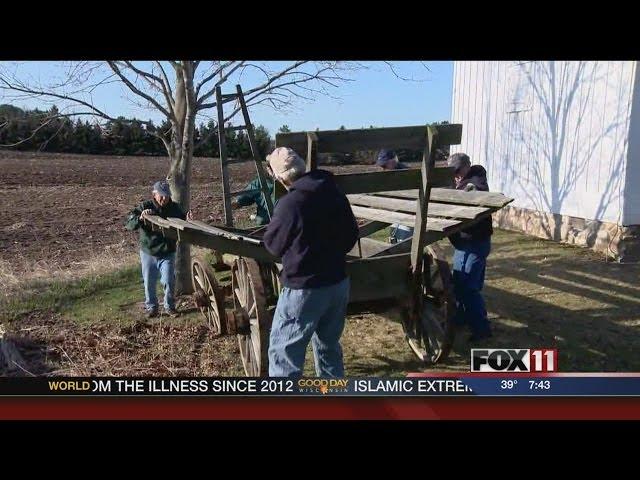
631,212
553,135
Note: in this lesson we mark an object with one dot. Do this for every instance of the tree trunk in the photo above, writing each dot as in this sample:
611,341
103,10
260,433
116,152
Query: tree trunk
181,154
181,194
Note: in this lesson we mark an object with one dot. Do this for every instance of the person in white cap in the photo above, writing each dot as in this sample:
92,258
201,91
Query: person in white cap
312,230
157,252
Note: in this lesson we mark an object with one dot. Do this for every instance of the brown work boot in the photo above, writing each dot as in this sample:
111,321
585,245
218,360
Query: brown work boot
151,313
172,312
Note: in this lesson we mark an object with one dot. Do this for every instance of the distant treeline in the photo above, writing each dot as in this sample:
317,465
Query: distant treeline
41,130
31,130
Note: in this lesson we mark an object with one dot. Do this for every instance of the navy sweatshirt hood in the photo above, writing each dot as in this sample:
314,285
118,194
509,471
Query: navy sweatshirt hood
477,175
315,181
312,230
481,231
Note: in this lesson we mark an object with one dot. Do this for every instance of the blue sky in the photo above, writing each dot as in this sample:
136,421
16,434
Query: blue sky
376,96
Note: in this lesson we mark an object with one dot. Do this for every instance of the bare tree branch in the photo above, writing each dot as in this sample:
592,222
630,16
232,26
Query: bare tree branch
18,86
165,79
41,126
137,91
211,76
406,79
157,84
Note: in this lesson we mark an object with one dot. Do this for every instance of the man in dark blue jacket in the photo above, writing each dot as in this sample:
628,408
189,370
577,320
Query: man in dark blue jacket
312,230
388,160
472,246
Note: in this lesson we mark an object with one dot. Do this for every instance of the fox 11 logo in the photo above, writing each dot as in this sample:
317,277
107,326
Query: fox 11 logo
514,360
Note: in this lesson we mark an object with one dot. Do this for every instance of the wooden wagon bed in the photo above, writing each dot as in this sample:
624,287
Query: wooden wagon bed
412,273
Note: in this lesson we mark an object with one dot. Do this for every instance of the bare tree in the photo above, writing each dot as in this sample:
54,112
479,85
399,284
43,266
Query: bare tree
180,91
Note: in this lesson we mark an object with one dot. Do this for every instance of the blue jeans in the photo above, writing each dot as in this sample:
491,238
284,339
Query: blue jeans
469,264
151,266
399,234
303,315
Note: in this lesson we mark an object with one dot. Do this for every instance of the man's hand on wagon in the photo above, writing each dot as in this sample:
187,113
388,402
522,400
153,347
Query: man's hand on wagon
146,213
190,215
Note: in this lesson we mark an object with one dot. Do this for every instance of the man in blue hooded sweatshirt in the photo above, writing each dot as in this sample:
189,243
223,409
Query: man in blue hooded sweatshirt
472,246
312,229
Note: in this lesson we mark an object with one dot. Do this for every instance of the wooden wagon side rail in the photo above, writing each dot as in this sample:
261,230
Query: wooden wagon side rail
207,236
443,219
349,141
368,182
448,195
401,205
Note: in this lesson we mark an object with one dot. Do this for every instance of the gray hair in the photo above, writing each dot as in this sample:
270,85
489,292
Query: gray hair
295,171
459,160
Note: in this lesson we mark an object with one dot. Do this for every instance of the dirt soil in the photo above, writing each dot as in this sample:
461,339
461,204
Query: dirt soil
63,209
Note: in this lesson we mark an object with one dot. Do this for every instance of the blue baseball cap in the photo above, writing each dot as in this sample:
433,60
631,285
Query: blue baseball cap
384,156
162,188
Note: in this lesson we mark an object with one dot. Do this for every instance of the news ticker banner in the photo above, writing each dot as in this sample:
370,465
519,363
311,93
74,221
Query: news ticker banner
415,385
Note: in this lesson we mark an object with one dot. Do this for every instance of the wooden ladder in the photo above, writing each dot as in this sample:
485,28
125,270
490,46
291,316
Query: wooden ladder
224,162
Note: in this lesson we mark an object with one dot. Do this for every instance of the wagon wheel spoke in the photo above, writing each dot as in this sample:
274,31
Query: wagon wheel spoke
435,277
250,299
432,340
200,282
208,293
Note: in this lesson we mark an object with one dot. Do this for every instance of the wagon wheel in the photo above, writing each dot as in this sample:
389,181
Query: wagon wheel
208,294
432,340
250,300
275,285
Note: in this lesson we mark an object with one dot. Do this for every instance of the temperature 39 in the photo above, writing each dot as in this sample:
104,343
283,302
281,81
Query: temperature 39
508,384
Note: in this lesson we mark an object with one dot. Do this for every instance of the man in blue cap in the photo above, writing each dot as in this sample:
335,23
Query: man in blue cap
388,160
472,246
157,252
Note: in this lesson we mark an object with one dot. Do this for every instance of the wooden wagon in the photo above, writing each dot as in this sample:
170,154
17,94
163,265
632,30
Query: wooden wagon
237,294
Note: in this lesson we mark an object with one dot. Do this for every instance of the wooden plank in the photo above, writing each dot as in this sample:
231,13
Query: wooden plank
177,223
401,205
244,232
228,214
226,245
370,228
196,225
312,151
255,153
405,245
437,224
368,247
154,220
383,180
349,141
421,220
201,226
378,278
449,195
197,235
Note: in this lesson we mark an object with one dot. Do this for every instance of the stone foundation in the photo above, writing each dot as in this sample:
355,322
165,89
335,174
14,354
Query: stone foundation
616,241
